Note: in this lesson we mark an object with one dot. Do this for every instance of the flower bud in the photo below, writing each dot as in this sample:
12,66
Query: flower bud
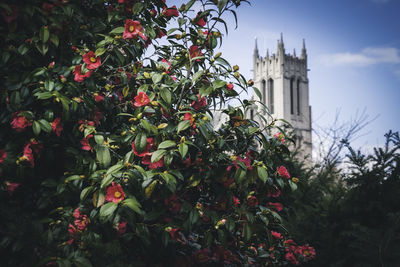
237,74
217,55
146,75
236,68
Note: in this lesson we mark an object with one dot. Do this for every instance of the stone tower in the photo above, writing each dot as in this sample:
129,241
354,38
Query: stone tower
283,83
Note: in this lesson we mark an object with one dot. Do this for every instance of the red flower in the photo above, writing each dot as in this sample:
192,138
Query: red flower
202,255
19,122
306,251
28,155
133,29
201,22
275,192
115,193
47,7
11,187
276,235
82,222
229,86
280,137
146,160
141,100
166,64
10,17
173,204
98,98
252,201
200,103
235,201
146,151
291,258
194,51
160,33
173,232
56,126
92,62
3,155
77,213
188,117
153,12
35,145
78,76
277,206
282,171
85,142
170,12
121,228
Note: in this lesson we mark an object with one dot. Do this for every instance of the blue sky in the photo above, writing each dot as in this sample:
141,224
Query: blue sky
353,50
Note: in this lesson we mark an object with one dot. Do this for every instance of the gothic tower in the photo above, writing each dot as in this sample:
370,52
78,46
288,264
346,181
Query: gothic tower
283,83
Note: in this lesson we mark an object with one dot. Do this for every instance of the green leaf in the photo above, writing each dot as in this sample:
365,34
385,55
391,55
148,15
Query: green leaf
183,149
140,142
107,210
189,5
157,155
54,39
44,34
106,181
258,93
82,262
262,174
100,51
170,180
36,128
117,30
85,192
133,204
115,168
42,48
45,125
183,125
156,78
49,85
205,90
293,186
166,95
247,231
22,49
197,75
103,155
166,144
218,84
99,139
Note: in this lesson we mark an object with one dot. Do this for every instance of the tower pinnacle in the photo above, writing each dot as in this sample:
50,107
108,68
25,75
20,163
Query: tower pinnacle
256,48
303,50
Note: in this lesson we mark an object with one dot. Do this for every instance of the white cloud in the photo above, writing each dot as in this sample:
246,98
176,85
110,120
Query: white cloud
368,56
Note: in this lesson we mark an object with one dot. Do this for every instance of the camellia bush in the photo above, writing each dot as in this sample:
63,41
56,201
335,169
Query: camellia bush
108,156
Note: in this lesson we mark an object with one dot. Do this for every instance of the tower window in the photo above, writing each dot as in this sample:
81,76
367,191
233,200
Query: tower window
291,96
271,95
264,93
298,97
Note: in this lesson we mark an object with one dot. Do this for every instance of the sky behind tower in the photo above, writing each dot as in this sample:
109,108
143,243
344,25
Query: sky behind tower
353,51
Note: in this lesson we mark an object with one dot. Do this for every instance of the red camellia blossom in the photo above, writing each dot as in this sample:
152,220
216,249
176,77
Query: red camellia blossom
141,100
235,201
280,137
275,192
188,117
170,12
291,258
153,12
306,251
194,51
133,29
200,103
10,17
229,86
3,155
173,232
121,228
115,193
82,222
98,98
252,201
146,160
19,122
85,142
11,187
201,22
202,255
282,171
277,206
56,126
28,155
92,62
276,235
173,204
78,76
146,151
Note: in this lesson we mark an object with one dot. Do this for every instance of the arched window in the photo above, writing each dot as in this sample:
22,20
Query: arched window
271,95
298,97
291,96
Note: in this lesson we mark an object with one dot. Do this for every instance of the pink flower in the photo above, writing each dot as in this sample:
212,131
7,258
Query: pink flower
98,98
141,100
195,51
280,137
201,22
85,142
188,117
28,155
11,187
121,228
291,258
56,126
10,17
146,160
19,122
277,206
235,201
78,76
274,193
77,213
276,235
252,201
3,155
82,222
133,29
200,103
229,86
282,171
115,193
146,151
170,12
92,62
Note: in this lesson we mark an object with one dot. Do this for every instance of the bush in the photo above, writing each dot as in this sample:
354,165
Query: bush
107,153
